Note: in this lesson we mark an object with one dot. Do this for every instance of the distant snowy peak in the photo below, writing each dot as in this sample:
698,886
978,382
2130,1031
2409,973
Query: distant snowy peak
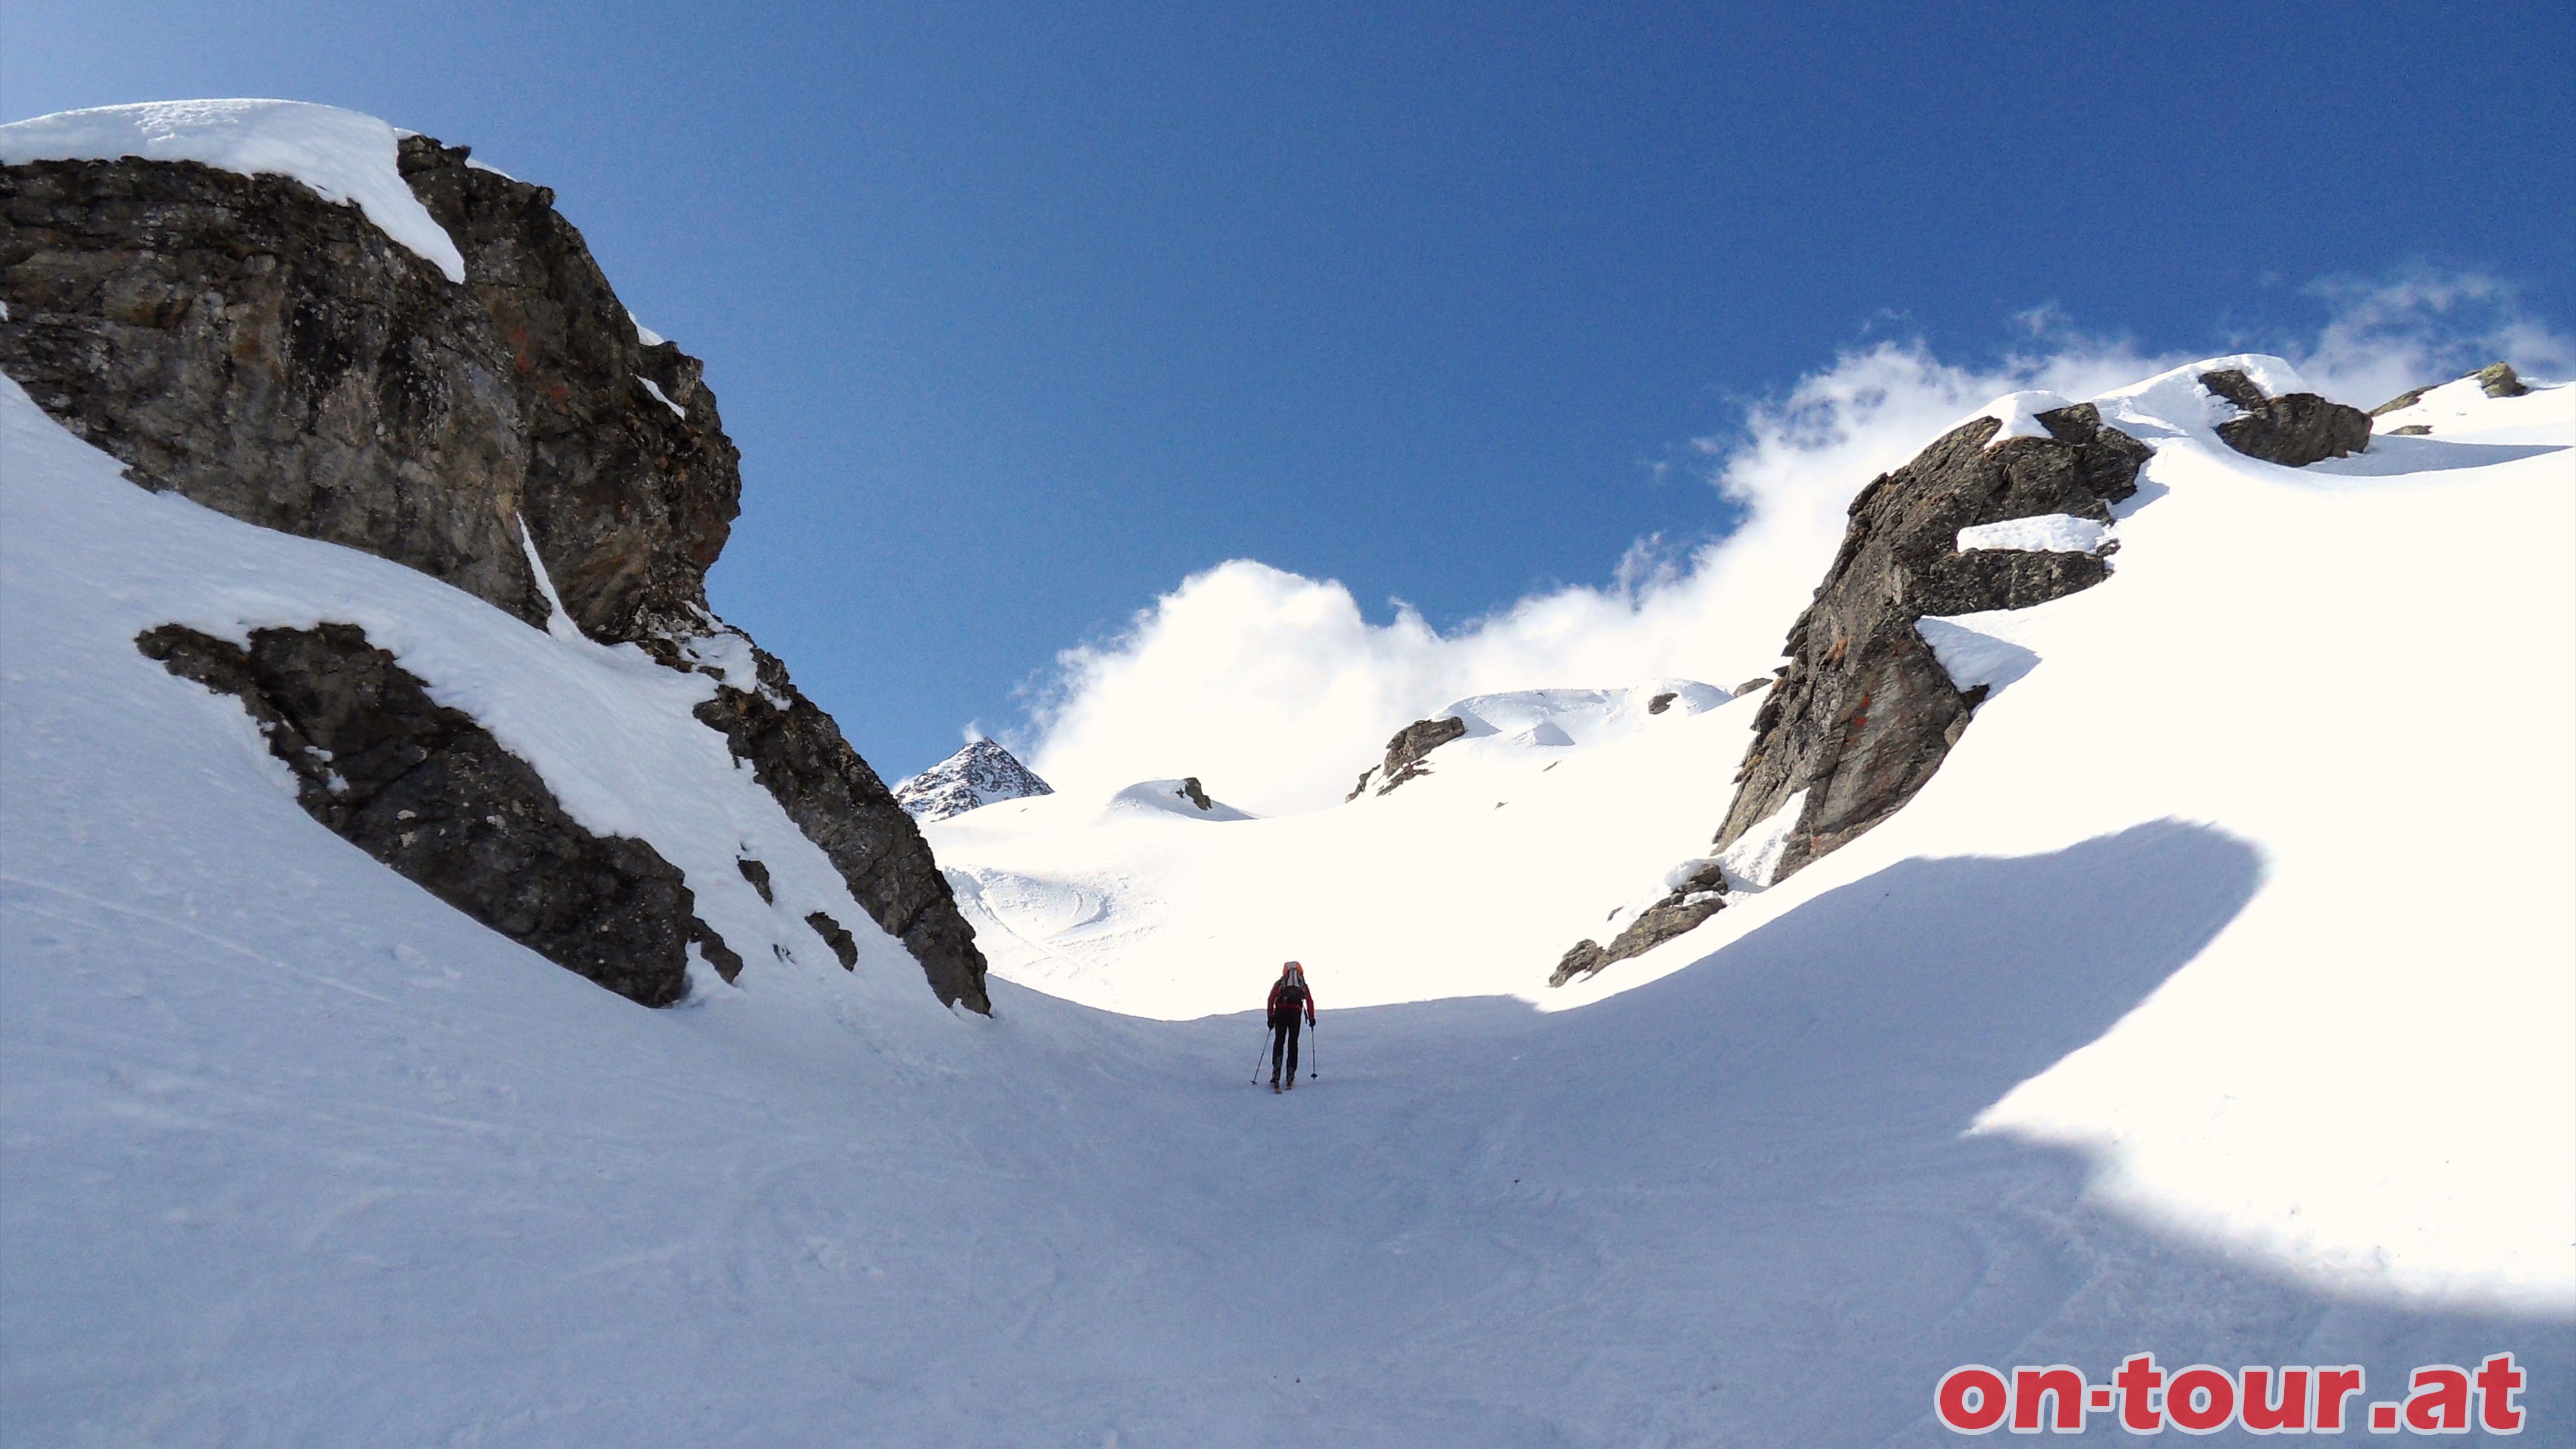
978,775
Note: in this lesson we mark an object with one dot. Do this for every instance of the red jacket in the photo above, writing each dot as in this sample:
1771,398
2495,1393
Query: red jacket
1282,1015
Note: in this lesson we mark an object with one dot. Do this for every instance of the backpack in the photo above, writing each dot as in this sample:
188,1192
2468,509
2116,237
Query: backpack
1292,1001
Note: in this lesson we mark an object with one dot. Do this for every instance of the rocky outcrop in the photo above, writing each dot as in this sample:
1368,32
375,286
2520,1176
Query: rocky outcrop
2496,379
276,357
798,754
1405,751
273,356
429,792
981,774
2293,430
1196,794
1865,713
1699,894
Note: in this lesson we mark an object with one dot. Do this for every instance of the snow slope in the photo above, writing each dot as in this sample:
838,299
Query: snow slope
2349,1079
342,155
2196,1006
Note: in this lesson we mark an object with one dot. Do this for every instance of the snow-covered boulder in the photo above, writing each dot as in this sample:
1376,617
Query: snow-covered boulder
978,775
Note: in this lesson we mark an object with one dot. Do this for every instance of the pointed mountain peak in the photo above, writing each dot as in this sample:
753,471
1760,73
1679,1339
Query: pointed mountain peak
977,775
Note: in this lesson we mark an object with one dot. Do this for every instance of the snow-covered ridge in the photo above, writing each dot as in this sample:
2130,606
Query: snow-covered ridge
342,156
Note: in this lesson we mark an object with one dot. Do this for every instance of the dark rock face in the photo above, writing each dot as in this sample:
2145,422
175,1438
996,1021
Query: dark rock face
1195,794
1405,751
429,792
277,358
1865,713
1700,895
799,756
836,937
2293,430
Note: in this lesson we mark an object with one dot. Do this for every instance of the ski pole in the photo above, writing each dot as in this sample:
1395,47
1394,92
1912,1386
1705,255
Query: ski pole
1256,1060
1314,1053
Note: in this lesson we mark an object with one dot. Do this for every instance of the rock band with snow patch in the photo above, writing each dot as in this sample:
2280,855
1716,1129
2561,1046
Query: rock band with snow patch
2204,1399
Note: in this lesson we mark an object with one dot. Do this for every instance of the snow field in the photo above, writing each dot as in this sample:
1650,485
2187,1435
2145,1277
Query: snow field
2175,1014
1454,884
2365,1080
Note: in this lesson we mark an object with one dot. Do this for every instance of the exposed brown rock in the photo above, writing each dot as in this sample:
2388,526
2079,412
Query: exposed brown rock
274,356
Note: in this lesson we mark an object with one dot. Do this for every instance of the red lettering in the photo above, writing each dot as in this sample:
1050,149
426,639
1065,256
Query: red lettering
2201,1399
2064,1381
2138,1380
2334,1385
1971,1399
2498,1381
2439,1401
2260,1413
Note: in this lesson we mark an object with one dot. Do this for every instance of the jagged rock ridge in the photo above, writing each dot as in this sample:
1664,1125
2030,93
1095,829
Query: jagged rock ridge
1865,713
237,339
983,773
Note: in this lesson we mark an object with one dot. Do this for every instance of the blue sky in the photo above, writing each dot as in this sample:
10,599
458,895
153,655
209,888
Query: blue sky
1020,315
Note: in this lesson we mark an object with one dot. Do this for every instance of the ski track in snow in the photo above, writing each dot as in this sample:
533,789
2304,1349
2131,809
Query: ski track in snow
1982,1087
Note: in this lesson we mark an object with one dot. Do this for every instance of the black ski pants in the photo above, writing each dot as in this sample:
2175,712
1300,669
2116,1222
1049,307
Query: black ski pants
1283,1038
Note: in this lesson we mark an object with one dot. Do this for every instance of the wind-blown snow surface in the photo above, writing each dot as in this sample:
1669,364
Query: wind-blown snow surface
342,155
2255,984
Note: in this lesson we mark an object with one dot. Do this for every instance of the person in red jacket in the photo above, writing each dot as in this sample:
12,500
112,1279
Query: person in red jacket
1289,999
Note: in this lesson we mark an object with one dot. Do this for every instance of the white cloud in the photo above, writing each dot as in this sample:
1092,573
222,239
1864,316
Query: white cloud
1276,690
